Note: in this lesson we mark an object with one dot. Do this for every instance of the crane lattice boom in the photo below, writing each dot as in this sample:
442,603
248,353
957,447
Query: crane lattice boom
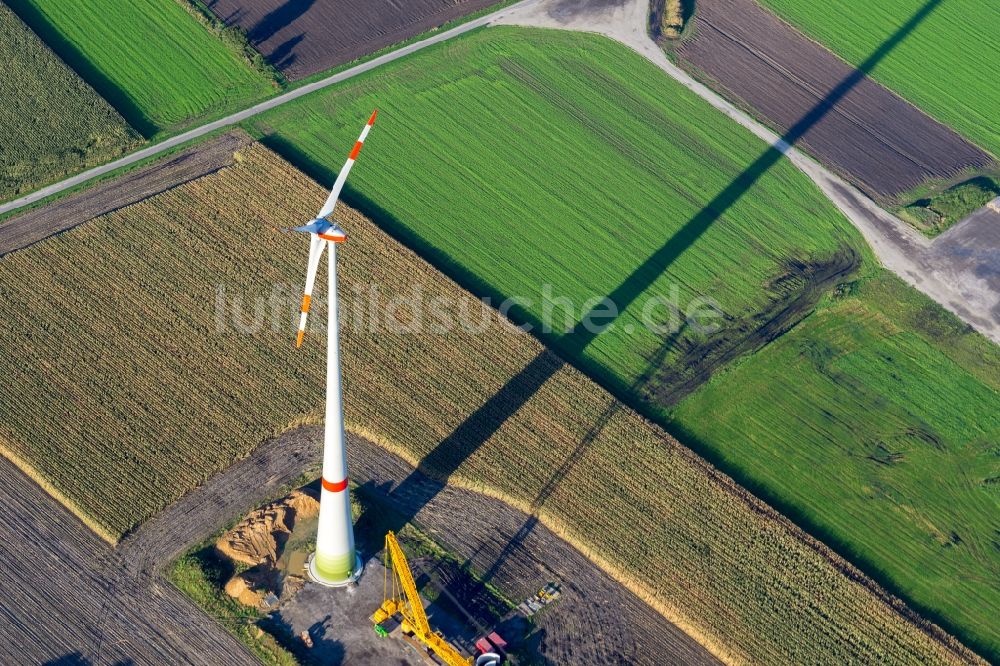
401,597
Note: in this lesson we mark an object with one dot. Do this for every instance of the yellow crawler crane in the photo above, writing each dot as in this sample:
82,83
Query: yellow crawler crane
401,598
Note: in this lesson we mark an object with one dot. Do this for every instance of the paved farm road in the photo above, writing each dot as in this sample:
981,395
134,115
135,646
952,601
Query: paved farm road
240,116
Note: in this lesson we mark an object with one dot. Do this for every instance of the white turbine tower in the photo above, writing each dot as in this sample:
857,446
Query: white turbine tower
335,561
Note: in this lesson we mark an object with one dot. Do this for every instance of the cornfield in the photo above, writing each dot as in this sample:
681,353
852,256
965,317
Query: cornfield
123,391
51,122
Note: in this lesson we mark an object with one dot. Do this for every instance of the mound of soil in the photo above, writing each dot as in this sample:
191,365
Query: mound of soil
258,541
239,588
260,537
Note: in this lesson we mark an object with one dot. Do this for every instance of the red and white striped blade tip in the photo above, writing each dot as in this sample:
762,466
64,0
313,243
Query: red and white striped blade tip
371,121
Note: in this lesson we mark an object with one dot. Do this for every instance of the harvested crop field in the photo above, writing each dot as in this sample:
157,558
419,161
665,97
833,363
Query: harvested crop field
303,37
67,601
143,403
871,136
40,223
51,122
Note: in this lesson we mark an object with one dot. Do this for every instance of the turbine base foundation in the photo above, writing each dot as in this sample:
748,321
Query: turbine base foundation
359,568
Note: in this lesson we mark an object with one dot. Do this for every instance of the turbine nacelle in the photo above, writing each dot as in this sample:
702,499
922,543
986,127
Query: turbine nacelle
324,229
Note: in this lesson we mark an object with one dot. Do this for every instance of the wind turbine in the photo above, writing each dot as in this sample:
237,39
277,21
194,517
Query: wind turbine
335,561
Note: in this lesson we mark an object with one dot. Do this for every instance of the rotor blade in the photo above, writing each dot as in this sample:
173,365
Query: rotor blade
316,247
331,201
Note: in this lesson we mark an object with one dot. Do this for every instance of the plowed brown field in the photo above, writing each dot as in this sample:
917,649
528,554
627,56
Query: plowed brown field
871,136
303,37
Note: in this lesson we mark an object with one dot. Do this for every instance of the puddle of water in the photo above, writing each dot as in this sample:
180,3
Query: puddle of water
299,545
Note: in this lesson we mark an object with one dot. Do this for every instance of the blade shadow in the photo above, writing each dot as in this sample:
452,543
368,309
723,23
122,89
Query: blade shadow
436,468
448,455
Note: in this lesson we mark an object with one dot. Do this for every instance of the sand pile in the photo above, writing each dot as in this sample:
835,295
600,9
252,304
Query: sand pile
259,538
258,541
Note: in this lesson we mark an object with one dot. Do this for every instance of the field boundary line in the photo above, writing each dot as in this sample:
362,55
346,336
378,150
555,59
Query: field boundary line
37,477
39,224
257,109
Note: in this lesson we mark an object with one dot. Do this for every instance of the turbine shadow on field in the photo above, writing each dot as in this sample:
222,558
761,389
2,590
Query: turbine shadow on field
449,454
444,460
433,472
573,345
78,62
570,461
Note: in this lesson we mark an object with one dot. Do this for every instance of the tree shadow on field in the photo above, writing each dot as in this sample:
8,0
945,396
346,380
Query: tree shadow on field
232,19
417,490
76,60
72,659
278,19
284,56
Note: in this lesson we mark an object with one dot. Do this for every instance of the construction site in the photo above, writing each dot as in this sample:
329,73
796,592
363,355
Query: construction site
381,617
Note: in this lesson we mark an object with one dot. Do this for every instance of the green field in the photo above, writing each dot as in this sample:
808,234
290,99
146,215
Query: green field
514,159
51,122
946,66
878,418
153,62
498,140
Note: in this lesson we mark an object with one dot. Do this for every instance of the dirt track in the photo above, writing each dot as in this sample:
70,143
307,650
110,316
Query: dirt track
67,594
196,161
303,37
871,137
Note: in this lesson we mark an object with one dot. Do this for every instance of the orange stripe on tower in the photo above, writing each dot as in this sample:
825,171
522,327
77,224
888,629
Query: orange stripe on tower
357,149
371,121
334,487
